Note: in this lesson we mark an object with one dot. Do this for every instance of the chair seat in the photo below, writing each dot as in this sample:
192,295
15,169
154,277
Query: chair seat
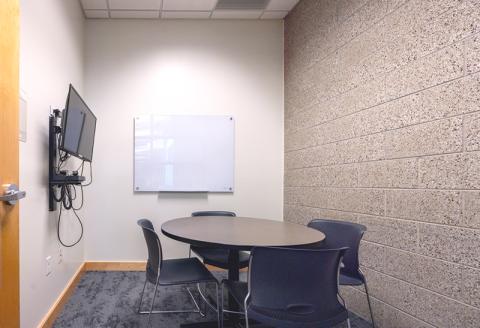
219,257
184,271
291,319
347,280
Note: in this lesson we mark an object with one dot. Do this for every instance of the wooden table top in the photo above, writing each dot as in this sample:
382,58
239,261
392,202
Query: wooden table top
239,232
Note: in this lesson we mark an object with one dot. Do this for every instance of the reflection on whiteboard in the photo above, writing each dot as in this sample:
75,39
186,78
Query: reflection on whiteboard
184,153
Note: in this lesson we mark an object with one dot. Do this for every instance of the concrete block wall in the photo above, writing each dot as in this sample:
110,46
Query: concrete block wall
382,127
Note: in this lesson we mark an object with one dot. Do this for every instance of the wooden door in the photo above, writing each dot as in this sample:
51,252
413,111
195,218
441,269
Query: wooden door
9,95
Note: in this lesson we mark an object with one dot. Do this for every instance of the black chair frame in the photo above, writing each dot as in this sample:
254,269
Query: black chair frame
248,295
147,225
352,265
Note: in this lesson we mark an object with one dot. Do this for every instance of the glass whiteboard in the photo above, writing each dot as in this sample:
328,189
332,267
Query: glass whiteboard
183,153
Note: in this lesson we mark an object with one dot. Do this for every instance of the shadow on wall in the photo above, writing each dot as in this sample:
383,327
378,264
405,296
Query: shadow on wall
182,195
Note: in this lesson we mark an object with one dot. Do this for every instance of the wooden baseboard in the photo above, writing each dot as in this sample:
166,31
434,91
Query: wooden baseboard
57,307
115,266
128,266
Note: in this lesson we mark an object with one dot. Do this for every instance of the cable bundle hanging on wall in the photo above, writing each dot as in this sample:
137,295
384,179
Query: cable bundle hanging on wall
62,186
71,133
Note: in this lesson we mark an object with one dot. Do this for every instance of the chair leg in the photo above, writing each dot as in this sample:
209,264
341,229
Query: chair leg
195,310
153,301
345,306
195,303
204,303
369,304
246,312
205,300
220,305
141,297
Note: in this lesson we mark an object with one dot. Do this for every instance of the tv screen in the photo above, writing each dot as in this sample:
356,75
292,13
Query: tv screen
78,128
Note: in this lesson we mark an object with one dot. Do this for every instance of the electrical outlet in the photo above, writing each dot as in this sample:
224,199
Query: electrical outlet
60,254
48,268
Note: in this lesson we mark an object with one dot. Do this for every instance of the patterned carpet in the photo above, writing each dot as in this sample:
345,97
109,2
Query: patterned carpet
110,299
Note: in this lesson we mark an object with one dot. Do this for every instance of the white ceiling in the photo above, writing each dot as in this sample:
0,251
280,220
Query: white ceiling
186,9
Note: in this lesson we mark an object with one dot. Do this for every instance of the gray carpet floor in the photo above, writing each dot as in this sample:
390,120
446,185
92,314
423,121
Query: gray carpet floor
110,299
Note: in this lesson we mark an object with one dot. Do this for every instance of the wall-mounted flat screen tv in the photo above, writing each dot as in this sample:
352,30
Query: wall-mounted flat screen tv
78,127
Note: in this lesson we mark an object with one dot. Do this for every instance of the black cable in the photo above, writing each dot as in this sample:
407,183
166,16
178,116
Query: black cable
81,204
91,176
68,193
67,203
67,199
58,228
72,188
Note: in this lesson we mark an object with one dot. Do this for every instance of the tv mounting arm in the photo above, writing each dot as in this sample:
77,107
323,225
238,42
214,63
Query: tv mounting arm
55,179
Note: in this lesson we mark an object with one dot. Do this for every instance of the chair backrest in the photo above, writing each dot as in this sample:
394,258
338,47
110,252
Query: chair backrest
342,234
213,213
154,247
295,281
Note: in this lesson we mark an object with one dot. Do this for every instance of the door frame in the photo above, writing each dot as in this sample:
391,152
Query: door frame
9,163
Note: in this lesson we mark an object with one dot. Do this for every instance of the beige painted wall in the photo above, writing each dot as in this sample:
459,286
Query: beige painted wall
51,57
180,67
382,128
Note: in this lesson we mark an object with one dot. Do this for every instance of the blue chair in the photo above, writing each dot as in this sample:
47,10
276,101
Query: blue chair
291,288
217,257
345,234
160,272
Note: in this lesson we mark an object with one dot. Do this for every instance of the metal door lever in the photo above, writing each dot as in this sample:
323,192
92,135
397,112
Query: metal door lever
12,194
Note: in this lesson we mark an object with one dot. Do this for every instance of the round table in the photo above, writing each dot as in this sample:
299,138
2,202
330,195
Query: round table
239,233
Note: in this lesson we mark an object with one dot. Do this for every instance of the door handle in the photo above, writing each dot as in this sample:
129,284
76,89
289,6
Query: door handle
12,194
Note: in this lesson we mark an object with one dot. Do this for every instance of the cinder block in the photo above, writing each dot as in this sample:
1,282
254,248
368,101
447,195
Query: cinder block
471,127
438,137
395,233
437,206
472,53
453,171
430,307
399,173
458,245
441,66
452,280
367,201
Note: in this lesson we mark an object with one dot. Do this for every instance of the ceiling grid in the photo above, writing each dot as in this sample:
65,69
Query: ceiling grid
187,9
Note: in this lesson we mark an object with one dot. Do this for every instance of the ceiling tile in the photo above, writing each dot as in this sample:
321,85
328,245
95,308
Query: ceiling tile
135,4
241,4
286,5
237,14
94,4
274,14
186,14
150,14
189,5
96,13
